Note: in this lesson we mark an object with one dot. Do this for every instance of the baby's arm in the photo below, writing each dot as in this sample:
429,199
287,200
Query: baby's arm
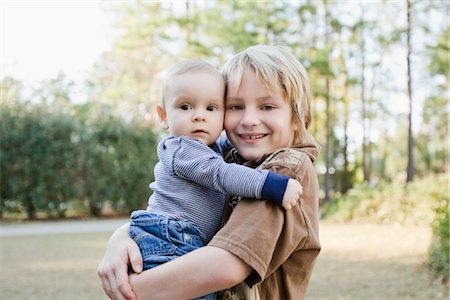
224,143
194,161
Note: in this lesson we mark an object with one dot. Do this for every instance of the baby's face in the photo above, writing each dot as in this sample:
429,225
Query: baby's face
195,106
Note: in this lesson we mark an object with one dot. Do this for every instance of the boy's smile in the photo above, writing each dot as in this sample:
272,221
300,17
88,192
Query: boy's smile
251,139
252,136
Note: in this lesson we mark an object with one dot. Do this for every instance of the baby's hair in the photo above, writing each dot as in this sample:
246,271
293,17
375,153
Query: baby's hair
187,66
276,68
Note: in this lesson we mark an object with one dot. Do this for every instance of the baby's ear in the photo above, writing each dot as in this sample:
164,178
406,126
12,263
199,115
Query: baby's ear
164,125
162,115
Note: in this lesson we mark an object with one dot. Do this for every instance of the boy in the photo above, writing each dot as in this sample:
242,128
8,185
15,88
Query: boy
192,180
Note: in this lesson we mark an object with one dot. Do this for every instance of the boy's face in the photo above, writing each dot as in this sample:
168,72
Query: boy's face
257,121
194,106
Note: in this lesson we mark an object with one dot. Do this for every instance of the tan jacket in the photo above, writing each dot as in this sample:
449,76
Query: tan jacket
281,246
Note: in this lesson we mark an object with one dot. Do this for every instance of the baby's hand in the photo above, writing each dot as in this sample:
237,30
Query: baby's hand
293,192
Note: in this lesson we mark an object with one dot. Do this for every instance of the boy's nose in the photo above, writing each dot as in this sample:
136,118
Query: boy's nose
250,118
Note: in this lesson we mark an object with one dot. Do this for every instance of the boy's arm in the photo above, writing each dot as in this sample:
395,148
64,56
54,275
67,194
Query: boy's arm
195,161
214,268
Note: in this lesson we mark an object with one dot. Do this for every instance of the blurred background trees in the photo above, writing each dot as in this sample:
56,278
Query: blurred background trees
58,151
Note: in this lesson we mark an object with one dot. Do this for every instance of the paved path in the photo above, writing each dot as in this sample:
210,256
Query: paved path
66,226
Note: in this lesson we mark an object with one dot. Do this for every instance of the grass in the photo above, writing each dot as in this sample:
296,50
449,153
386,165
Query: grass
60,266
374,261
358,261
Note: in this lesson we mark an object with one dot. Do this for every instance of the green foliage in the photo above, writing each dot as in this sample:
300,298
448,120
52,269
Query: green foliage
35,158
439,54
439,251
334,40
433,147
50,159
391,202
127,152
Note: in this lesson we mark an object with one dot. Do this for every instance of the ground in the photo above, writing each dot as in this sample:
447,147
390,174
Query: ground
357,261
374,261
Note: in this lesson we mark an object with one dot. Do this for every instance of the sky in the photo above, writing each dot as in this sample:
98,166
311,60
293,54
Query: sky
41,38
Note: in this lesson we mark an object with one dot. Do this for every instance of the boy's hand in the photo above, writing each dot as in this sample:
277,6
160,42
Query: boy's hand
293,192
121,252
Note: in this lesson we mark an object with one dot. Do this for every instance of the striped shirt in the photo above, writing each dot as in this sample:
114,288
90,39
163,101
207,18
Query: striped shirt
192,181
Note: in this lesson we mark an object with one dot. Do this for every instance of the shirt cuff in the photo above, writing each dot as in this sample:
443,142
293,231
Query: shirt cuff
274,187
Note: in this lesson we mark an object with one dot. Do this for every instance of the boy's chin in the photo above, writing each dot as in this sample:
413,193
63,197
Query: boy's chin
250,155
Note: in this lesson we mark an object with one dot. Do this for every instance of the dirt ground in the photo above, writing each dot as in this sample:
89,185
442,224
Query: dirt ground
358,261
374,261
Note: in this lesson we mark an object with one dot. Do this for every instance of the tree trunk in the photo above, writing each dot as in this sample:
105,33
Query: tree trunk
2,206
410,166
384,154
365,166
29,207
346,178
327,180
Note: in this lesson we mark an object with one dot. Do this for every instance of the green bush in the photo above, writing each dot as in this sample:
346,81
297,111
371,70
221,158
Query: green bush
36,159
439,249
52,159
390,202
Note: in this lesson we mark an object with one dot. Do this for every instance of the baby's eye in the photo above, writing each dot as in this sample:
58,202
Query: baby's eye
211,108
185,106
267,107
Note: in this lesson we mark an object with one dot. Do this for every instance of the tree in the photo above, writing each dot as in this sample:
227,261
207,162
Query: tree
54,93
328,126
410,166
348,56
434,132
11,94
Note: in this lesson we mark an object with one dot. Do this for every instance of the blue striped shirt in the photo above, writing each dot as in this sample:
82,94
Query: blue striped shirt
192,181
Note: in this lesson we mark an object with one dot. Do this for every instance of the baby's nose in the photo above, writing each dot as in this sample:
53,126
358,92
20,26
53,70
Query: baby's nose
198,117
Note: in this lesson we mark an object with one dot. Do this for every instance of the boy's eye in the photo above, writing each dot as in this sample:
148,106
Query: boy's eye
234,107
267,107
185,106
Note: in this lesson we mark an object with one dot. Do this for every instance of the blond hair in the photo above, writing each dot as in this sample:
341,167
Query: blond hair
276,67
184,67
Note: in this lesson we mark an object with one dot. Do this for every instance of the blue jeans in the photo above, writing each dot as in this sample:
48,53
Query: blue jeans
162,239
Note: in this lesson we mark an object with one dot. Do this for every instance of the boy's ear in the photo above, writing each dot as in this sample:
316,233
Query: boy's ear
295,126
162,115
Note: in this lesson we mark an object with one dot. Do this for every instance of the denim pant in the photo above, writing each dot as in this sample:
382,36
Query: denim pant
162,239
